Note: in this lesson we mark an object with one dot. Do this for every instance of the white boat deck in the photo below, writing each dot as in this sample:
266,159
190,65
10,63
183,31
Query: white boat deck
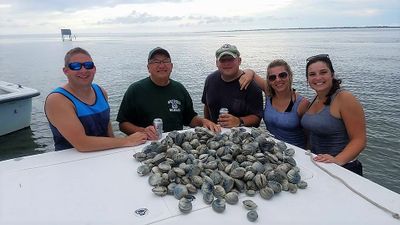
69,187
12,92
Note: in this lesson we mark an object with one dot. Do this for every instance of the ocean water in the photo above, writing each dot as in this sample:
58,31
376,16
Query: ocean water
368,61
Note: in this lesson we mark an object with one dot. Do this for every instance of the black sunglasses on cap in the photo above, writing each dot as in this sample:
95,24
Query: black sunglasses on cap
78,65
282,75
320,56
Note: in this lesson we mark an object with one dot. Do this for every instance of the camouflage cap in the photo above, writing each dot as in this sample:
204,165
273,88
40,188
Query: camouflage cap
227,49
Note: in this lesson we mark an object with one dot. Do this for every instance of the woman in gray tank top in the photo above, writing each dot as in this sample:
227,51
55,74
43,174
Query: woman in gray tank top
335,118
283,106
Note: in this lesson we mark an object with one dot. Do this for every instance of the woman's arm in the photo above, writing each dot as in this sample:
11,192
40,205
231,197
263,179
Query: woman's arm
248,76
352,113
349,109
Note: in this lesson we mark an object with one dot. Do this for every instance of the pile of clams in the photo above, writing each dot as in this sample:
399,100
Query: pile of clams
220,166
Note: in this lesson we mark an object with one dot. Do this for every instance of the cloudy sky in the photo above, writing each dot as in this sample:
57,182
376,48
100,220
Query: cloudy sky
112,16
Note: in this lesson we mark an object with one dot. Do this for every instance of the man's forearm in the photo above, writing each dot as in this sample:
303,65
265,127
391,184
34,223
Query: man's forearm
251,121
129,128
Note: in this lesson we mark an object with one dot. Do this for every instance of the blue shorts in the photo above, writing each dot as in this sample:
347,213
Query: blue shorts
354,166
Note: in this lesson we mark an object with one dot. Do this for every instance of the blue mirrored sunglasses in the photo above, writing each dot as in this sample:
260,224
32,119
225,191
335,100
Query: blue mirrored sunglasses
78,65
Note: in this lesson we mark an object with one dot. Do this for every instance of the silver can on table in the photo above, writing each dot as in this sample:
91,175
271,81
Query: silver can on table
158,125
223,111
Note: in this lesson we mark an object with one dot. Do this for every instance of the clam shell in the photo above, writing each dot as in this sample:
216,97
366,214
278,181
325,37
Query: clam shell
171,188
179,157
232,198
302,184
155,179
160,190
293,176
238,172
164,166
216,177
143,170
240,185
289,151
191,188
227,182
180,191
185,205
260,180
211,165
207,187
159,158
179,171
249,204
252,215
218,205
292,188
140,156
275,186
186,146
251,193
259,167
290,160
197,181
266,193
219,191
195,143
248,176
208,198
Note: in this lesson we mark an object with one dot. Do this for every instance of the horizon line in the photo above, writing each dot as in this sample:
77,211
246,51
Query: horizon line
234,30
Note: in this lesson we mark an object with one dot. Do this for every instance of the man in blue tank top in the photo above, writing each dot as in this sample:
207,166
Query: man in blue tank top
78,112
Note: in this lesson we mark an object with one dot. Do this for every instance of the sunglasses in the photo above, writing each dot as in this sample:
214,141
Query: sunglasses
78,65
316,57
282,75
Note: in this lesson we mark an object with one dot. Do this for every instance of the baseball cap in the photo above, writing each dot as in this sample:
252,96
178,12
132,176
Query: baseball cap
227,49
158,50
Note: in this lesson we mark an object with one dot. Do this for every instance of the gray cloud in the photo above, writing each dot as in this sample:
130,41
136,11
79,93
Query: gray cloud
72,5
220,20
48,15
139,18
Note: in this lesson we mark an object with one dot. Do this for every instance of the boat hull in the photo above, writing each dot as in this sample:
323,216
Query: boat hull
15,115
15,107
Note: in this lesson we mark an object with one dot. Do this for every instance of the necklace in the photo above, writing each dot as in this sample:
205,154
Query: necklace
318,100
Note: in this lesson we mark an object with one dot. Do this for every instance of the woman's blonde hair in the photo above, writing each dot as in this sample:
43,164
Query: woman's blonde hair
275,63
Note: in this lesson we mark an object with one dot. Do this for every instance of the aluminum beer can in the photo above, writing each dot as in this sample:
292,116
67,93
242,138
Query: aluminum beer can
223,111
158,125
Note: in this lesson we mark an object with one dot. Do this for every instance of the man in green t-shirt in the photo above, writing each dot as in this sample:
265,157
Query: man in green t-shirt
158,96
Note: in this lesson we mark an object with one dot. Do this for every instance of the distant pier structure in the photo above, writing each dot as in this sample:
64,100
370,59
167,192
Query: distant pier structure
66,33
